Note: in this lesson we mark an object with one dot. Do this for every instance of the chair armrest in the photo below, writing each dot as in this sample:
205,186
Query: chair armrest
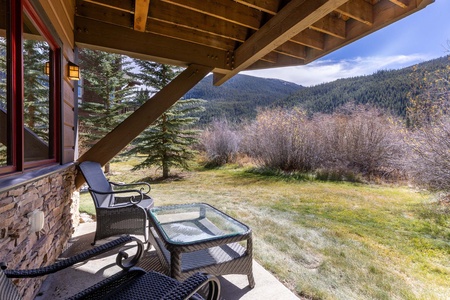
132,199
67,262
145,189
190,286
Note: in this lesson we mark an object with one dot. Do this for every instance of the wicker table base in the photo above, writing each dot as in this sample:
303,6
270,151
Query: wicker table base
199,238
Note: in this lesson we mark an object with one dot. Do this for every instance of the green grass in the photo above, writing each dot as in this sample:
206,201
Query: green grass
325,240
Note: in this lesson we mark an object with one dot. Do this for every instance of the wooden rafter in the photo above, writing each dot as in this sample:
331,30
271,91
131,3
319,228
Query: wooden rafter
310,38
268,6
140,14
231,11
357,9
295,17
105,149
101,36
330,25
401,3
384,13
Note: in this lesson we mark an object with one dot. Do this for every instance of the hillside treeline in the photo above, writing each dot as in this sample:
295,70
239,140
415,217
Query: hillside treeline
242,96
387,90
239,98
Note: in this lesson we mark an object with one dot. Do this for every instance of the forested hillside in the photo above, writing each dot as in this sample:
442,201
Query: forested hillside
384,89
239,98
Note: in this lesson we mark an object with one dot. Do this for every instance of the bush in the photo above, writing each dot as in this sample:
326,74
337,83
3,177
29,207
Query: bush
281,139
220,143
430,155
361,140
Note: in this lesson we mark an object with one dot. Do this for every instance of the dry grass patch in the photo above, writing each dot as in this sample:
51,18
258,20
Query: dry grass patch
327,240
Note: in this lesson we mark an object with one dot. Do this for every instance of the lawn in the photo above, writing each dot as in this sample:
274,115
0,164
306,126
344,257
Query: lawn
324,240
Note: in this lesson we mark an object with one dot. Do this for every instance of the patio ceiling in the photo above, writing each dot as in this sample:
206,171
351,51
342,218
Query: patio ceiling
231,36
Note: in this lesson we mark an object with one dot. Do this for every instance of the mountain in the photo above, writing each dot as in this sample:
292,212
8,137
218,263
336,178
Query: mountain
387,90
240,97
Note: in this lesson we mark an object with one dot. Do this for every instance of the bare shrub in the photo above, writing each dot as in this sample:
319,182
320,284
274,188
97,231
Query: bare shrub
361,140
430,155
220,143
281,139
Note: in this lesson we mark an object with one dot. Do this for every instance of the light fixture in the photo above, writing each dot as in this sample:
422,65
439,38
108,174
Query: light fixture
36,220
73,71
47,68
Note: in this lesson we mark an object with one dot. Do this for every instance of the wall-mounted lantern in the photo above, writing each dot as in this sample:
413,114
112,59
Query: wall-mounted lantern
47,68
73,71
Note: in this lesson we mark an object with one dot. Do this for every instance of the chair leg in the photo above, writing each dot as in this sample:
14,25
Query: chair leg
251,280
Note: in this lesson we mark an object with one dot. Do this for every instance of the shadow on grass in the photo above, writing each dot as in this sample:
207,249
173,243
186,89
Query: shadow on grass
161,180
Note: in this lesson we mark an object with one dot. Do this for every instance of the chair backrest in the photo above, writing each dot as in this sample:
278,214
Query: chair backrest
96,180
8,290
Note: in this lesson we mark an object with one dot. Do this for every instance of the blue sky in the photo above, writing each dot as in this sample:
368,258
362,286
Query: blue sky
419,37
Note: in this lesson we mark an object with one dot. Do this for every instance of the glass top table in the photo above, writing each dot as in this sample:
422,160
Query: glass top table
198,237
199,222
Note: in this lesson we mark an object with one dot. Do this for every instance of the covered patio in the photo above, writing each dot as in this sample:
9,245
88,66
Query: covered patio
70,281
223,37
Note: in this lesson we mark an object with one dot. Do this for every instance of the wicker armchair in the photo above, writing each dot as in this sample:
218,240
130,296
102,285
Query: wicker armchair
120,208
131,283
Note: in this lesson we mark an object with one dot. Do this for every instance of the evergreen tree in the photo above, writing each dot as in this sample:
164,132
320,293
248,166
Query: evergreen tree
107,93
166,142
36,88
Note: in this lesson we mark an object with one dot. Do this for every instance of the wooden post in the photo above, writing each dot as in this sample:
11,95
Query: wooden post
109,146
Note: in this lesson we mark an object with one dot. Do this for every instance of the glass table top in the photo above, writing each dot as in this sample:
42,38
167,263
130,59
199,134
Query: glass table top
189,223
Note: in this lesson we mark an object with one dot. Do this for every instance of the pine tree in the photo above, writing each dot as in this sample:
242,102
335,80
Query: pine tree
107,93
166,142
36,88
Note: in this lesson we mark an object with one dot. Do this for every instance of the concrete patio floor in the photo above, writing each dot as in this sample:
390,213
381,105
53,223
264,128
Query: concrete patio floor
67,282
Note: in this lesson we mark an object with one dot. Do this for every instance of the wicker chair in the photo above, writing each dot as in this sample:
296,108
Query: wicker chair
131,283
120,211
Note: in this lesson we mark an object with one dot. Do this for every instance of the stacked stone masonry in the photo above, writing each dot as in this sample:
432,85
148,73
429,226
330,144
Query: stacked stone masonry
21,249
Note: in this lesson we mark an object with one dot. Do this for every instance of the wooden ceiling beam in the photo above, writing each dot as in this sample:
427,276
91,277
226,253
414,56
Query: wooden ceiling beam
292,49
181,16
190,35
331,25
385,13
122,18
126,6
310,38
295,17
267,6
271,57
359,10
116,140
102,36
106,14
282,61
140,14
401,3
228,11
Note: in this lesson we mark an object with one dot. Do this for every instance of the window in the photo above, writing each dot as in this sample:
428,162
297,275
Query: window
29,89
3,82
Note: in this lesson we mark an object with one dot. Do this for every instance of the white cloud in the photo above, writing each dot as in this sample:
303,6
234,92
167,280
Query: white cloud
322,71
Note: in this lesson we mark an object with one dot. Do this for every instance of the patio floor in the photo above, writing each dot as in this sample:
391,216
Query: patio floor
67,282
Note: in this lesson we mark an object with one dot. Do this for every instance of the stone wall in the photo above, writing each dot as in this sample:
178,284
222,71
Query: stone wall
20,249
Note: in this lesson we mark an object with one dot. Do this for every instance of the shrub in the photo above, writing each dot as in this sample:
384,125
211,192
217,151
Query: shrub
220,143
429,162
361,140
282,140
